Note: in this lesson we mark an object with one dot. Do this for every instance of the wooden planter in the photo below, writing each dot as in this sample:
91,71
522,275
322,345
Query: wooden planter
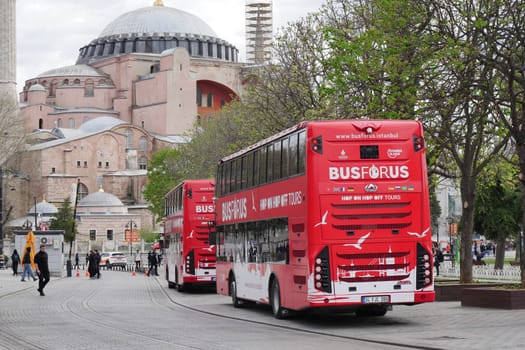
494,297
453,291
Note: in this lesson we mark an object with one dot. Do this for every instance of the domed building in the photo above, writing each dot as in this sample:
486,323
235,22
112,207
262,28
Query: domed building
141,85
103,221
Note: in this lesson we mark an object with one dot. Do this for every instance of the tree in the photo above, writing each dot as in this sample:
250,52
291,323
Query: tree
164,173
65,221
11,126
498,209
504,37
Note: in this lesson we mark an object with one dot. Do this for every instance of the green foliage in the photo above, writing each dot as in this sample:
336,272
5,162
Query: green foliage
164,173
65,221
498,208
376,61
149,236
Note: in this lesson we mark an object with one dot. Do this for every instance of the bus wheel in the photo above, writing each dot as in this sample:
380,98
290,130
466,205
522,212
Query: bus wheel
179,287
275,300
233,292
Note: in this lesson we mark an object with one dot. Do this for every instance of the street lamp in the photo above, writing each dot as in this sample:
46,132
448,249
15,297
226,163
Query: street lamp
130,227
28,224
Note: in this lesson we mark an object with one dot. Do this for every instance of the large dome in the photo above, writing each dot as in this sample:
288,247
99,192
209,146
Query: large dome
155,29
157,20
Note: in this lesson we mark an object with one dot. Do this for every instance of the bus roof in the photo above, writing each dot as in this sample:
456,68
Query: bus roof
358,123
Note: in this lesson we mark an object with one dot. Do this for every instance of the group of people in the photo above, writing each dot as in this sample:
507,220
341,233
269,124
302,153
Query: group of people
41,266
93,263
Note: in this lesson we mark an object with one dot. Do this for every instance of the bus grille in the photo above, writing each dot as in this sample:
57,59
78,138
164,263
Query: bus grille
373,267
371,216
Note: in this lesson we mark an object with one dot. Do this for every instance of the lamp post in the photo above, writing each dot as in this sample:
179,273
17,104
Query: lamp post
130,227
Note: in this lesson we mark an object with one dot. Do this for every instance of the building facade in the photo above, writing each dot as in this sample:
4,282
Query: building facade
148,79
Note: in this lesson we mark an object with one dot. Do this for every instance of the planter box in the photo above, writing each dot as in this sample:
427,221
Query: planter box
497,298
453,291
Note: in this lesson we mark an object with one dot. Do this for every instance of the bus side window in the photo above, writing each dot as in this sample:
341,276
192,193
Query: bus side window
302,152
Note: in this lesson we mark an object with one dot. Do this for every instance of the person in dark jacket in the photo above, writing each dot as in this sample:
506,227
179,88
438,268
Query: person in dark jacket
15,260
26,260
152,261
42,269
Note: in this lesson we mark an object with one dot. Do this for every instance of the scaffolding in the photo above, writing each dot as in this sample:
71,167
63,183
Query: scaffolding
259,31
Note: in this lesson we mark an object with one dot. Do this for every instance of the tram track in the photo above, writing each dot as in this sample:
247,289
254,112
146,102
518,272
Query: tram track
100,322
297,328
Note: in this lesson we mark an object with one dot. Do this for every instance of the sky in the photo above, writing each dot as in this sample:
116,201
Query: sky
50,32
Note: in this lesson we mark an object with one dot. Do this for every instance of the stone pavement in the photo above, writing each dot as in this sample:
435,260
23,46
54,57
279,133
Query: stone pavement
439,325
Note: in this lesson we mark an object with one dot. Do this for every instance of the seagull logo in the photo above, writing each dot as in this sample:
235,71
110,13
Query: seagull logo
360,241
253,203
210,248
191,234
323,219
419,235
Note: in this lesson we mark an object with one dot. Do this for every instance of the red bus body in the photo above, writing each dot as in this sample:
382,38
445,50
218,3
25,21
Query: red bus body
348,228
188,225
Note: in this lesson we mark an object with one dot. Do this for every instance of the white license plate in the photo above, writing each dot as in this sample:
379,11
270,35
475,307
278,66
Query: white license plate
375,299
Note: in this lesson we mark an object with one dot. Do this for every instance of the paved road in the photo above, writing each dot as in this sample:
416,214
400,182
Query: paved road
121,311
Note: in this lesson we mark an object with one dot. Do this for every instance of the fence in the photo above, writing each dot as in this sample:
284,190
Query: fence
508,273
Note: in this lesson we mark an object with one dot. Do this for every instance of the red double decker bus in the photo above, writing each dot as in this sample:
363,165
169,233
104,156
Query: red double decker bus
327,214
189,234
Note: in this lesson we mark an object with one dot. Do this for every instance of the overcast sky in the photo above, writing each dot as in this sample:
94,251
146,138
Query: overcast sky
50,32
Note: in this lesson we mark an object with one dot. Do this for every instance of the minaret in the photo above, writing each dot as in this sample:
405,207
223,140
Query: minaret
259,31
8,47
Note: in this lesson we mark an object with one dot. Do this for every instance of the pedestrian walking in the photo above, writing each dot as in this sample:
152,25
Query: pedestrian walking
438,259
42,269
137,260
28,270
76,261
92,264
152,261
15,260
97,263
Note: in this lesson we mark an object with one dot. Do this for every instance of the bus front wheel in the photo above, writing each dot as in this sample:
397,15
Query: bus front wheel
233,292
275,300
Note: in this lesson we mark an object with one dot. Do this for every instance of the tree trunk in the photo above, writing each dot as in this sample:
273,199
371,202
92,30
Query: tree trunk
468,189
500,253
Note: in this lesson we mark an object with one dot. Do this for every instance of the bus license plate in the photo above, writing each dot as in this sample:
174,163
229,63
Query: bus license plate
375,299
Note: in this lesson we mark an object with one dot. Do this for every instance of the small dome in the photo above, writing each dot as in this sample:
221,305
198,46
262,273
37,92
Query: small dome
99,124
73,71
37,87
100,199
43,208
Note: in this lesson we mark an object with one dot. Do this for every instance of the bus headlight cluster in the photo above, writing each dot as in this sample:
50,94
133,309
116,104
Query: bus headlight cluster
190,263
423,268
322,271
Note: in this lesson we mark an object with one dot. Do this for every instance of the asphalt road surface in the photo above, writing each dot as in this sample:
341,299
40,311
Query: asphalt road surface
121,311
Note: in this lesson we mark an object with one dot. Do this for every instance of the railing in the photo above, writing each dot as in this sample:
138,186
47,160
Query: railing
508,273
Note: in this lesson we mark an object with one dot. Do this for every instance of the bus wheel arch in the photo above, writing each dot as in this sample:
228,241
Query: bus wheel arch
232,290
278,311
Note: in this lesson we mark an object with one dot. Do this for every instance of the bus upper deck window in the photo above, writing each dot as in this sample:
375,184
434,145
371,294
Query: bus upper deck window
369,152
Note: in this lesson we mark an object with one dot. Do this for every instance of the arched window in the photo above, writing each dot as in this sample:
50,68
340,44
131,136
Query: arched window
82,191
53,88
88,88
143,163
59,123
76,82
71,123
129,138
65,82
40,123
143,144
